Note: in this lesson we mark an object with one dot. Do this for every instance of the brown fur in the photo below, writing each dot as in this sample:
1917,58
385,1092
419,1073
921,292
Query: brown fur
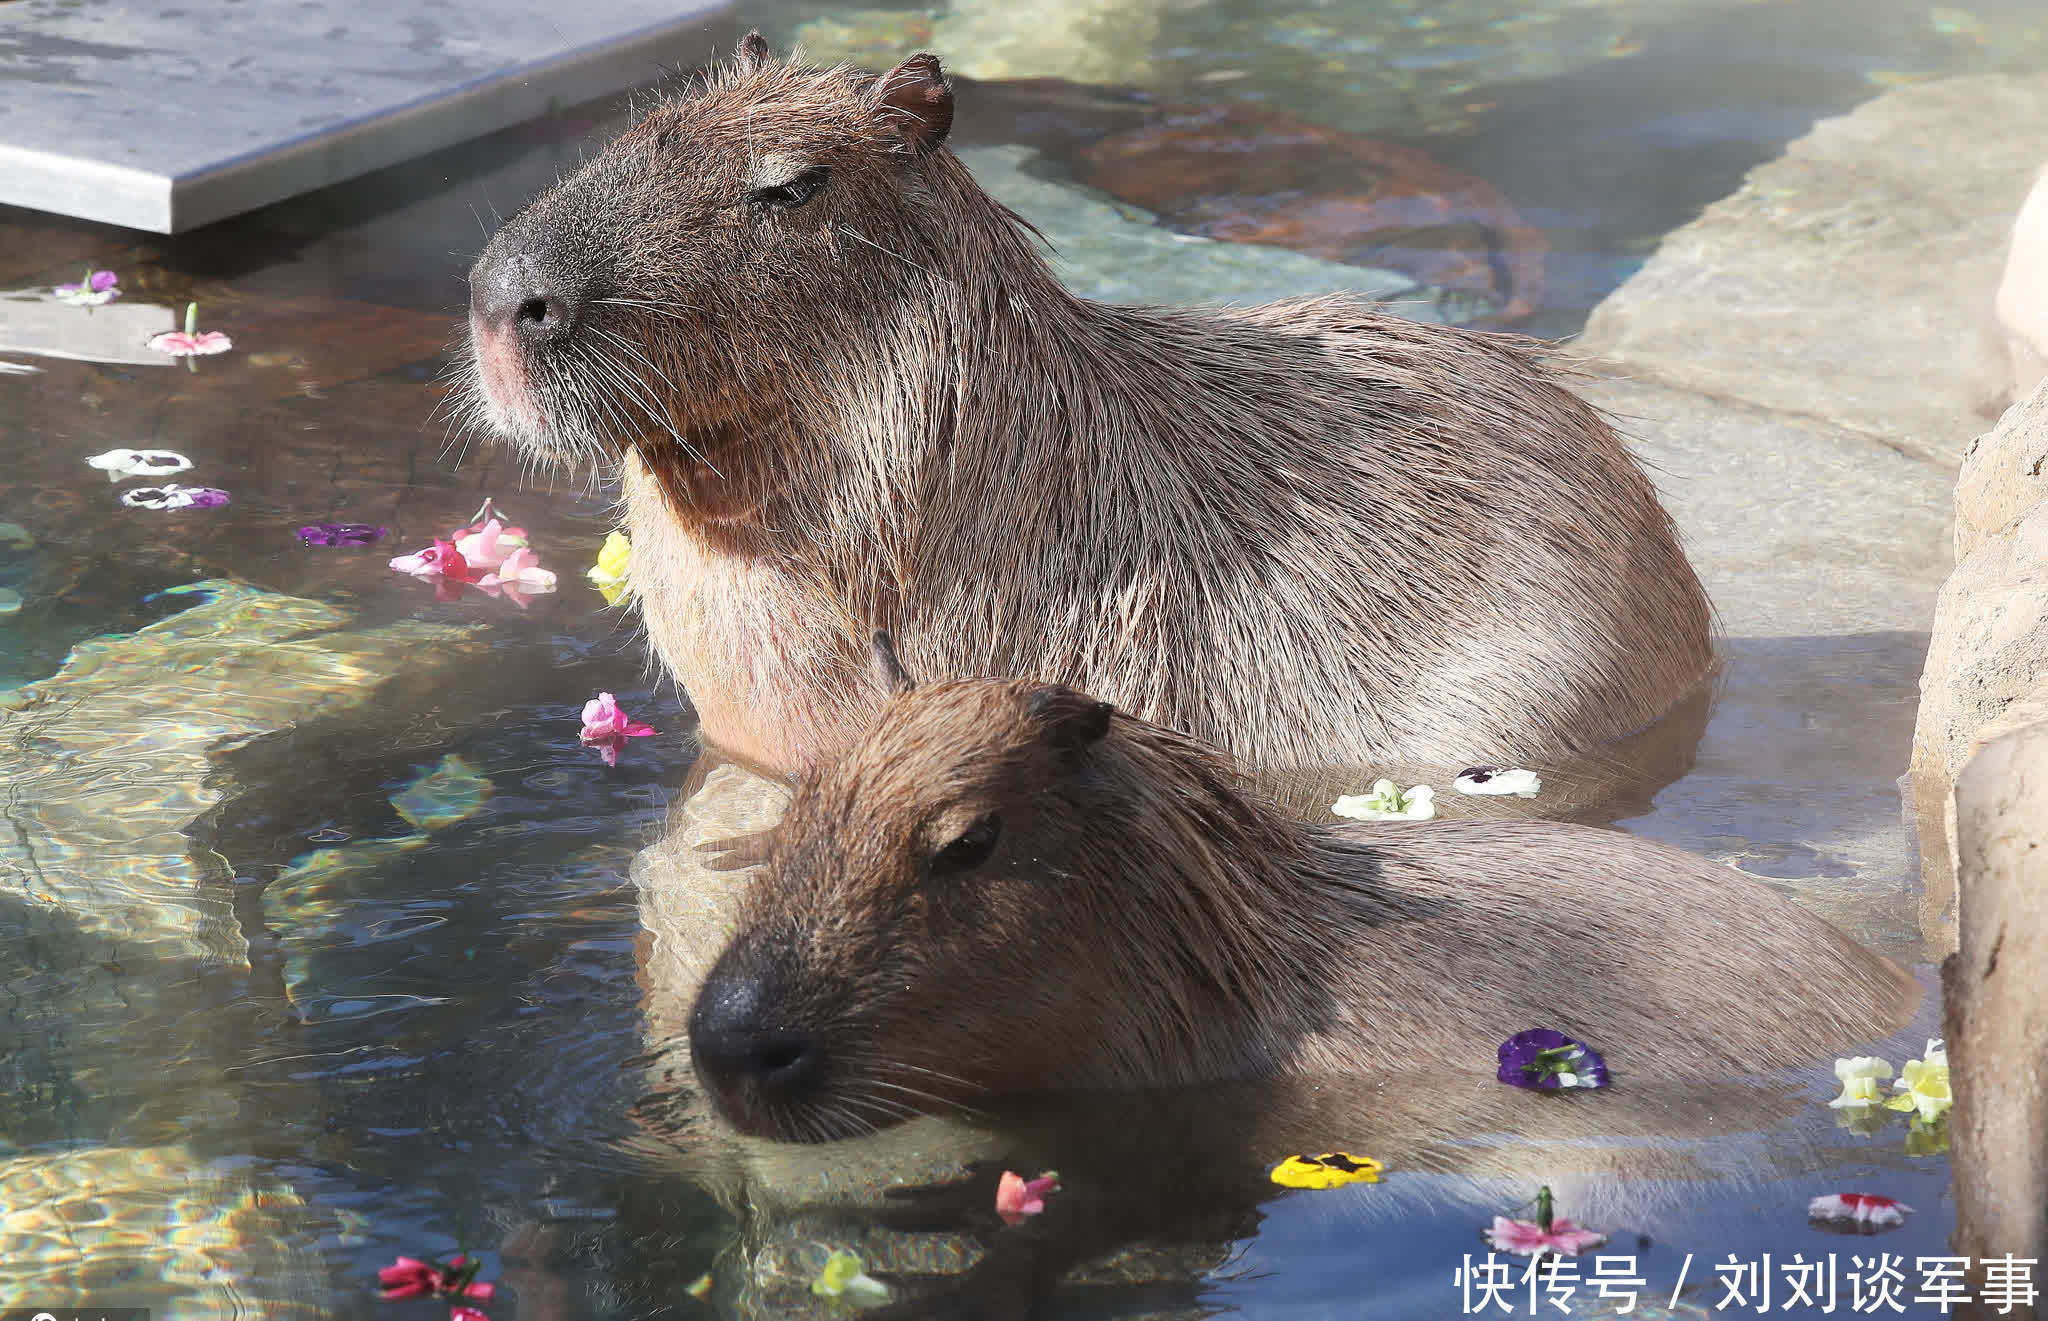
1141,921
1312,532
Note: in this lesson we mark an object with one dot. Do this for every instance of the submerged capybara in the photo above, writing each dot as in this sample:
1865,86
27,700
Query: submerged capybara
849,393
1008,886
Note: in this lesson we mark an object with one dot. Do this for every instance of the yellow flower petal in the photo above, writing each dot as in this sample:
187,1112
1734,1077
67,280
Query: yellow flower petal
1330,1170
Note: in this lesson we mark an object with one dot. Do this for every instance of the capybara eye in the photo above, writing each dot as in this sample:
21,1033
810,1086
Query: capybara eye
972,847
791,195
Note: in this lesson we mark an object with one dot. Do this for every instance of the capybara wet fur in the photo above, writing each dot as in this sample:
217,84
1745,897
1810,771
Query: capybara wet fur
848,392
1007,886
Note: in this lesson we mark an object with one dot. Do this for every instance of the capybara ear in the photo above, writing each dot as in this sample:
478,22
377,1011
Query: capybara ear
753,54
889,671
1068,719
914,100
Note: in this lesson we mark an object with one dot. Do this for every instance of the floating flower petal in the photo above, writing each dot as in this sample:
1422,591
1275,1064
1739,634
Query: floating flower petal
1548,1060
606,727
488,544
1388,802
1498,780
440,560
173,496
1547,1233
96,288
1332,1169
409,1277
1860,1076
1863,1213
340,534
843,1277
119,465
1018,1197
1923,1086
190,342
521,569
608,575
1526,1239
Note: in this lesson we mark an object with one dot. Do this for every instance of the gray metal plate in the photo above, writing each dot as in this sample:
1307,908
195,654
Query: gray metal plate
168,115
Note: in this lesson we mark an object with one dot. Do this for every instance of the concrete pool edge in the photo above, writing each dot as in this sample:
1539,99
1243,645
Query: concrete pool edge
168,203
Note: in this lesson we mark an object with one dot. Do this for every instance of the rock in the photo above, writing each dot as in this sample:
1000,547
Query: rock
119,934
1845,280
166,1227
1797,528
1822,552
1234,171
2019,349
1417,67
1120,255
2005,474
1988,653
1997,1008
1089,41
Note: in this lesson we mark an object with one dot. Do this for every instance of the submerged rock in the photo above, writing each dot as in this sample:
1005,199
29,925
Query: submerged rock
1119,254
125,960
1237,172
1416,65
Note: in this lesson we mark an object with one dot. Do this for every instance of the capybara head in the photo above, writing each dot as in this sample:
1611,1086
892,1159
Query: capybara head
675,288
986,858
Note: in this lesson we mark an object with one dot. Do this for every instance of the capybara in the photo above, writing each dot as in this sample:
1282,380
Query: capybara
848,392
1008,886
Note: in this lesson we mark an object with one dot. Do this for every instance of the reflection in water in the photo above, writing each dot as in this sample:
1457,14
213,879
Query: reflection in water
34,321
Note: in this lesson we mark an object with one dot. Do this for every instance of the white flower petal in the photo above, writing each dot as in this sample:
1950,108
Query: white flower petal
1498,780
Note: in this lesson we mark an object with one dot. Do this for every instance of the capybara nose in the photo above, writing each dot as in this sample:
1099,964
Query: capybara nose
737,1037
512,293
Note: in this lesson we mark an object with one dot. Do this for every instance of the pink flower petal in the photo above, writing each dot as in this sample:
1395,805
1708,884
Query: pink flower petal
1570,1240
1516,1236
1018,1197
485,547
522,568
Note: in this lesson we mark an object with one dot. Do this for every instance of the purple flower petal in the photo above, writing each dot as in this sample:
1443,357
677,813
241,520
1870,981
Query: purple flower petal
103,281
1543,1058
205,497
341,534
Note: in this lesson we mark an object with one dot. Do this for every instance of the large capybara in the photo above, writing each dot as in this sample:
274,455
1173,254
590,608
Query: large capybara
1008,886
849,392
